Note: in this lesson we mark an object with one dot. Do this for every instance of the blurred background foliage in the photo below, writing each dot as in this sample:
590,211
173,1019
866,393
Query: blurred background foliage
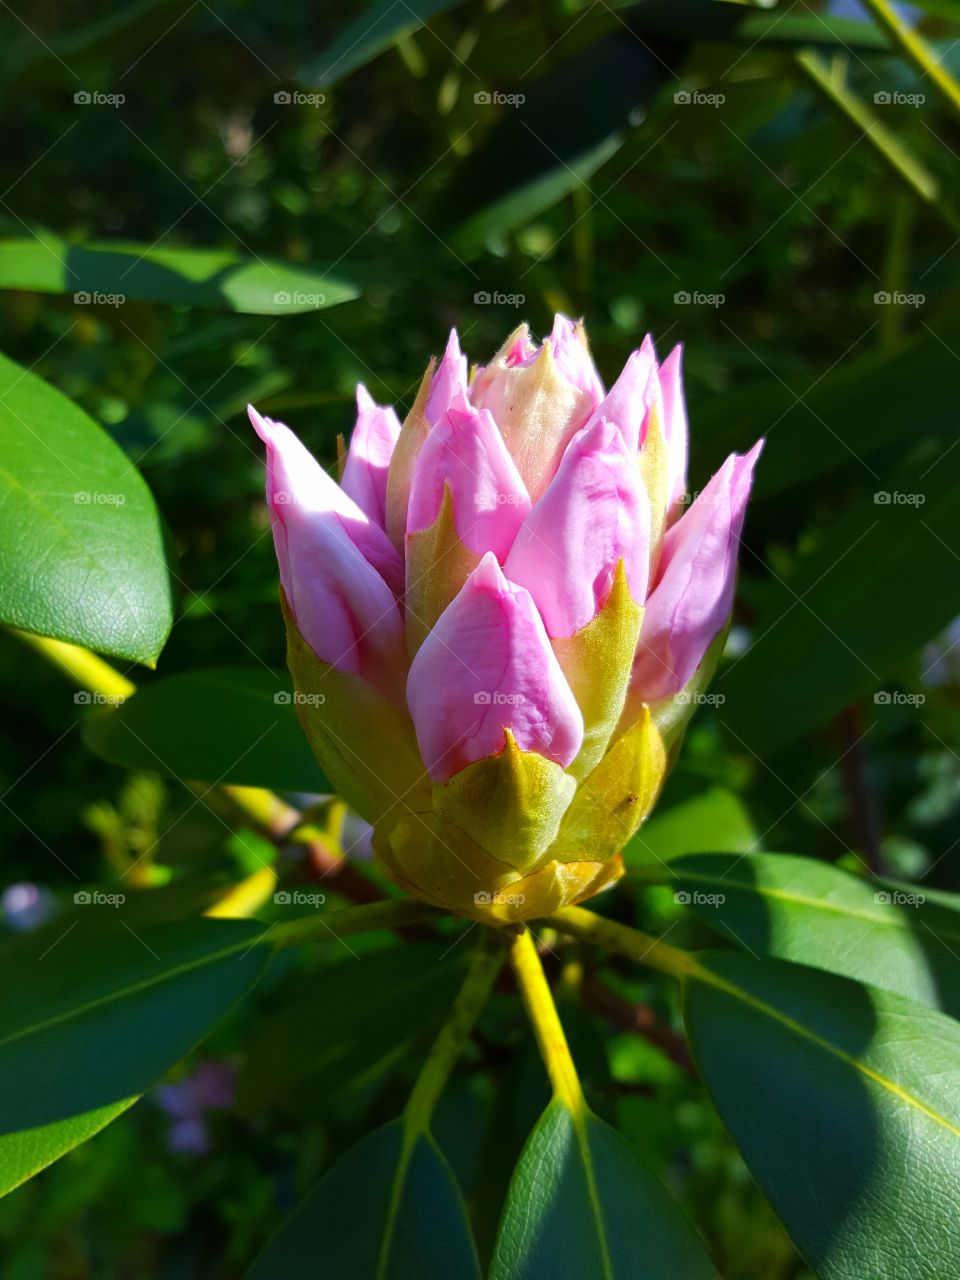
772,187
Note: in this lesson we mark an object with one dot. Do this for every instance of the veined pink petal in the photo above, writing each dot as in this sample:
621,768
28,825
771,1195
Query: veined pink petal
342,607
294,476
692,599
487,666
368,458
674,424
593,514
629,400
449,381
467,452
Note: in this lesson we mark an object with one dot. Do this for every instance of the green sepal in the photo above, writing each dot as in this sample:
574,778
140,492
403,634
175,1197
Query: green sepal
365,744
434,860
414,431
511,804
615,798
438,564
597,663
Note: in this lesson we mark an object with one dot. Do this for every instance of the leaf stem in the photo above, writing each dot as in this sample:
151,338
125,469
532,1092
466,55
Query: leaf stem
917,51
391,913
830,80
542,1012
633,944
85,668
486,963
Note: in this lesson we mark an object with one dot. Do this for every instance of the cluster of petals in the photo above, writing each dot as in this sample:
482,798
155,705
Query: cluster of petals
542,471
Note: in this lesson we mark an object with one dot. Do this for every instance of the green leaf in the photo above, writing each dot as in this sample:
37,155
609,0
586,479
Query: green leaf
93,1011
388,1210
880,581
219,725
378,28
581,1205
539,152
786,28
338,1029
845,1101
715,819
854,411
108,273
807,911
83,547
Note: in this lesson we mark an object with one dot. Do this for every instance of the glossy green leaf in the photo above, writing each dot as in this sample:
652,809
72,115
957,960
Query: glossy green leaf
84,556
845,1101
109,273
804,28
715,819
229,725
807,911
581,1205
338,1029
93,1011
385,1211
376,29
890,558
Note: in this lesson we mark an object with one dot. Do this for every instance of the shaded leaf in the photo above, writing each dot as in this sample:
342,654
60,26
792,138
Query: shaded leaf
76,1052
845,1101
807,911
581,1205
216,278
388,1210
232,725
376,29
715,819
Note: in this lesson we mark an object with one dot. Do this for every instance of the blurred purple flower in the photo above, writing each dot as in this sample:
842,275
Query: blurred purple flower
186,1102
26,906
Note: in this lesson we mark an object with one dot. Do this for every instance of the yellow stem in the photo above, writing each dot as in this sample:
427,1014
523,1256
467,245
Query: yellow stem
917,51
631,943
545,1021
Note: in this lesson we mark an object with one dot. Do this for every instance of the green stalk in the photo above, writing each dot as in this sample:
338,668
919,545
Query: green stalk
542,1012
917,51
888,146
589,927
438,1067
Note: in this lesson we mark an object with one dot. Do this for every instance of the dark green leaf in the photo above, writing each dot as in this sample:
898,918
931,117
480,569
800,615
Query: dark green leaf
376,29
211,726
581,1205
341,1028
808,911
108,273
83,548
892,560
385,1211
93,1011
845,1101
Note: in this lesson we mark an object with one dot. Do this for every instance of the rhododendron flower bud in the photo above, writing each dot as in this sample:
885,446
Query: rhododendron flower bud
495,622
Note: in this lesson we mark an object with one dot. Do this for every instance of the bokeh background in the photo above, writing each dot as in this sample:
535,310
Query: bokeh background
774,187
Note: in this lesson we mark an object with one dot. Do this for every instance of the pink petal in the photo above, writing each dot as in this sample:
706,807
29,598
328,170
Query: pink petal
593,514
573,359
629,400
467,452
294,476
487,666
342,607
674,425
692,600
368,458
449,381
